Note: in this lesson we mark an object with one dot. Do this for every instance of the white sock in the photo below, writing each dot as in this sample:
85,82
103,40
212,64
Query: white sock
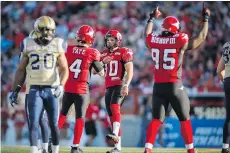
149,146
33,149
189,146
225,146
116,128
55,149
118,145
75,145
39,143
45,146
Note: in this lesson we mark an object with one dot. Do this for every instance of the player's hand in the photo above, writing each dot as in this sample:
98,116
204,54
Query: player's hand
125,91
221,78
155,13
13,98
205,13
107,59
59,90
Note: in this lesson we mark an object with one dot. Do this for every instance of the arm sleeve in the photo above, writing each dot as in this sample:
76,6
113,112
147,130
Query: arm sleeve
62,45
183,39
148,40
127,56
97,66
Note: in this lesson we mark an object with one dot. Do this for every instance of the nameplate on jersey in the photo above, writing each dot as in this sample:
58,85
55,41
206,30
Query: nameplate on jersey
77,50
159,40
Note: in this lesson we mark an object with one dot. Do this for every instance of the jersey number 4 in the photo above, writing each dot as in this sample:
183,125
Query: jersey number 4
75,67
168,63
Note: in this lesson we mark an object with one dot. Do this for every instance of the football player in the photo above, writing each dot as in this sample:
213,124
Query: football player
81,59
119,72
223,71
167,51
43,122
42,60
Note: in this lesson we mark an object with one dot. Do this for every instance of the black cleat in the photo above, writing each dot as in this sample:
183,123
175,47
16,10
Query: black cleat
50,145
115,150
225,151
44,151
76,150
112,137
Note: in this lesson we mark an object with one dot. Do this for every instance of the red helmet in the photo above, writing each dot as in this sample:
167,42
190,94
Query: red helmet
85,33
115,34
171,23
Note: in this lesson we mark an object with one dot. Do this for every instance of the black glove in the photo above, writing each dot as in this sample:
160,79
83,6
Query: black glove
205,13
14,96
154,14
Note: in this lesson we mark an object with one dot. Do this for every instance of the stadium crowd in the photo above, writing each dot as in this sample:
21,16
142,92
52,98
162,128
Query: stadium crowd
199,67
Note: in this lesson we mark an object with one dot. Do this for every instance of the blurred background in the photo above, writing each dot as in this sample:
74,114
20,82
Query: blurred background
199,68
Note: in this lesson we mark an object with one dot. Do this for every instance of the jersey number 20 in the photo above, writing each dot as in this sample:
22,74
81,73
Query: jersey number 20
168,62
48,61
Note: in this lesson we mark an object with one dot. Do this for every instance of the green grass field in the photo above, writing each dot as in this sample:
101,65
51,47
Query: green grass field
25,149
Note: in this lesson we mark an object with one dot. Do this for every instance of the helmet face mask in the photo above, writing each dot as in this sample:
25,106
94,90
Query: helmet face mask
111,42
171,24
34,35
116,35
45,26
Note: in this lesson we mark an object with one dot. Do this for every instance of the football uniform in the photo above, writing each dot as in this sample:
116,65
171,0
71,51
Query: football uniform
115,73
167,57
80,62
42,77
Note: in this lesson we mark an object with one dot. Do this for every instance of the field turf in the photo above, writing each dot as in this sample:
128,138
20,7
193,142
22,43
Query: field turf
26,149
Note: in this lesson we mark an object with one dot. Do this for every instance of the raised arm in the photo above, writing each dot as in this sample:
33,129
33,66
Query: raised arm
152,16
196,40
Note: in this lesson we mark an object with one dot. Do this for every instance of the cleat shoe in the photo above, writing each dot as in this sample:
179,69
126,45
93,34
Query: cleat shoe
225,151
112,137
50,145
44,151
115,150
76,150
147,150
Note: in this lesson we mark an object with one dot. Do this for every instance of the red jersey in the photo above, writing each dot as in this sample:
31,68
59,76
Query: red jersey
167,56
115,69
79,62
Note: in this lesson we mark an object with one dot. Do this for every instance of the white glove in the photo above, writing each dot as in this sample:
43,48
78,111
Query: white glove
59,90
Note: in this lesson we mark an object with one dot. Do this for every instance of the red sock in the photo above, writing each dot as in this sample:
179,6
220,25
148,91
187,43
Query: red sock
116,115
186,131
152,131
78,129
191,150
61,121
